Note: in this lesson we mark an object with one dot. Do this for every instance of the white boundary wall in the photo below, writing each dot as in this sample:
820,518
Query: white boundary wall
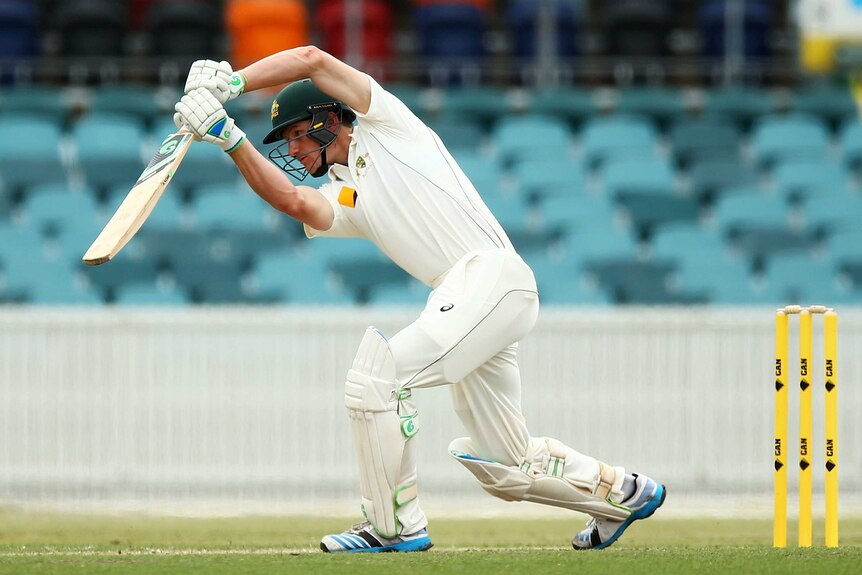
241,409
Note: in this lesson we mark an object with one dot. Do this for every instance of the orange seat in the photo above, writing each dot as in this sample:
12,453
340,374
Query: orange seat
258,28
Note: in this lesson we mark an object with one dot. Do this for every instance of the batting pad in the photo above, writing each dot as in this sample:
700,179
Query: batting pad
552,474
387,470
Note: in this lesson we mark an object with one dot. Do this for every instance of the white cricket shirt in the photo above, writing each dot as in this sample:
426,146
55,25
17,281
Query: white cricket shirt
402,190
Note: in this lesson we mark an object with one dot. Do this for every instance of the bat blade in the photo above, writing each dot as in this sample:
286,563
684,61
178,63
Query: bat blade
141,199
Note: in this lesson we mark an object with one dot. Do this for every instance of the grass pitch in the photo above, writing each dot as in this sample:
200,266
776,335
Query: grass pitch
37,544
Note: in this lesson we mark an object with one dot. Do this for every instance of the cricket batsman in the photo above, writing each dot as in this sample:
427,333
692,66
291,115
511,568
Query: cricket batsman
392,181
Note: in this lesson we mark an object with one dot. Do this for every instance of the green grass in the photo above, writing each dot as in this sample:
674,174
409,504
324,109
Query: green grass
37,544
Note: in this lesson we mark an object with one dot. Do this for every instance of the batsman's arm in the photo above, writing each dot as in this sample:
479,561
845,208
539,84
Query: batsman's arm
302,203
328,73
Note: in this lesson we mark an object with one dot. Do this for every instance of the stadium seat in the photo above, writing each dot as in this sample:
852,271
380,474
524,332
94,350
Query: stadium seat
92,28
617,137
711,178
575,105
184,30
851,144
661,105
19,30
485,104
561,281
797,180
412,294
599,241
148,294
451,40
626,176
141,102
46,104
739,104
829,214
687,242
779,138
801,277
636,28
123,271
374,22
225,207
721,278
108,149
831,103
51,207
29,153
482,171
692,141
757,22
578,211
258,28
540,178
168,214
634,281
518,138
512,211
458,134
522,24
298,279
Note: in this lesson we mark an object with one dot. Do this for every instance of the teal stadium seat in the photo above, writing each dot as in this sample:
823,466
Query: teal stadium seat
687,243
512,211
414,97
574,105
637,281
711,178
16,242
108,149
829,214
298,279
169,212
599,241
740,105
844,248
803,179
578,212
606,138
224,207
518,138
412,294
458,134
722,279
482,171
831,103
776,139
539,178
29,152
561,281
204,163
694,140
140,102
49,104
123,271
851,145
662,105
149,295
50,208
801,277
482,104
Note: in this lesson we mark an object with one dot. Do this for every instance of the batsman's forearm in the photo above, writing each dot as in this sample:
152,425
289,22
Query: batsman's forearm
264,178
281,68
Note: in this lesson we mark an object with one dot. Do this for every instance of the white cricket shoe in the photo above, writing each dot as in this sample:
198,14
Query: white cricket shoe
600,533
362,538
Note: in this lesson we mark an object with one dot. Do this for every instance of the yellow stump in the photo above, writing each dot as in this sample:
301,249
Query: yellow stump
830,337
779,526
805,414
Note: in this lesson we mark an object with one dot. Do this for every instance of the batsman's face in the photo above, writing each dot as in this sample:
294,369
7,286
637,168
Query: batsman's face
300,146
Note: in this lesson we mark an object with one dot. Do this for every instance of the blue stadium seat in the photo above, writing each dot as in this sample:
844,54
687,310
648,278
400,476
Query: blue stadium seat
108,149
801,277
48,104
540,178
29,152
451,40
757,20
518,138
851,144
51,207
661,105
779,138
149,294
704,139
298,279
575,105
739,104
831,103
711,178
523,25
801,179
617,137
19,29
225,207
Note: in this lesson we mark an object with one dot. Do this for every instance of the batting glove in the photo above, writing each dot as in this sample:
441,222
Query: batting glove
217,77
201,113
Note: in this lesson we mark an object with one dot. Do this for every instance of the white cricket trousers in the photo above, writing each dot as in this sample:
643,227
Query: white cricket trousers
467,337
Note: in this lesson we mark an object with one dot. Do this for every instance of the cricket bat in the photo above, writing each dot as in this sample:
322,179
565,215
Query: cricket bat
141,200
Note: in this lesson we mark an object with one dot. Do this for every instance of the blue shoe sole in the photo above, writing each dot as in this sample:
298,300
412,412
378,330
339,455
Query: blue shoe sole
642,513
420,544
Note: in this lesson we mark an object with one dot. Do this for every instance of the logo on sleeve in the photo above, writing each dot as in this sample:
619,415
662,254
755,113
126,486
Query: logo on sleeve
347,197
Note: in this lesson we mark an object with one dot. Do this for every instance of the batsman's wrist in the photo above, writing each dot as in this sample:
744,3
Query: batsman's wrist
233,141
237,84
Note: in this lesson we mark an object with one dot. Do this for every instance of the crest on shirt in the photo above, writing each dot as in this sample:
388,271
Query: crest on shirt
362,163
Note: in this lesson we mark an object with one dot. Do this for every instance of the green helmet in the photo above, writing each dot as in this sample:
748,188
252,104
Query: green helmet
301,100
